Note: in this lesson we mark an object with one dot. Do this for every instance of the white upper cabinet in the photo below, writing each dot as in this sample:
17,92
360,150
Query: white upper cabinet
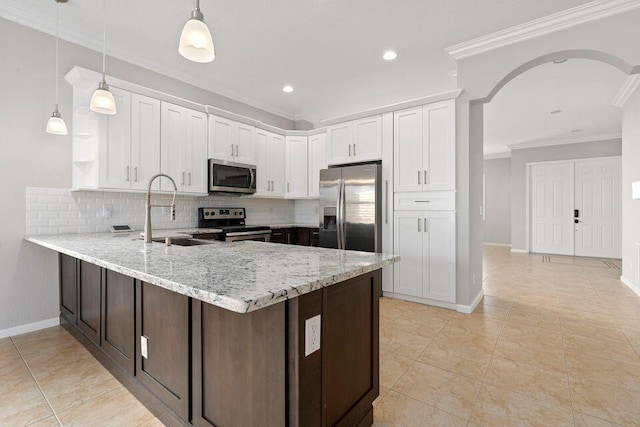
145,141
270,156
232,141
424,148
354,142
221,146
408,147
245,145
296,186
439,155
114,164
184,148
196,162
367,139
278,165
317,162
339,144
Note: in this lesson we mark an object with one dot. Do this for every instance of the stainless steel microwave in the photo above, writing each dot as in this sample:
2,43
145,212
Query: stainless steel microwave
228,177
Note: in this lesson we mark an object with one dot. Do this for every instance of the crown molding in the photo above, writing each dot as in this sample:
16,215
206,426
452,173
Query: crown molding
497,155
41,24
393,107
539,27
551,142
627,89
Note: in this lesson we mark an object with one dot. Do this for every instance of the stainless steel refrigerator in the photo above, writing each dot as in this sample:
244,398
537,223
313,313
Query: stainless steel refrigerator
351,208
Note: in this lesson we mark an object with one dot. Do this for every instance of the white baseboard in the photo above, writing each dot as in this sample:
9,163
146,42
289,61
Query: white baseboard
425,301
630,285
502,245
468,309
519,251
29,327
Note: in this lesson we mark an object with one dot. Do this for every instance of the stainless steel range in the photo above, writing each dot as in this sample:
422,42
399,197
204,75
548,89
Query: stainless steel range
232,223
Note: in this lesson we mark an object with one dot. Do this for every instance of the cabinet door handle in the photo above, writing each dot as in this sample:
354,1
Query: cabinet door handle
135,174
127,173
288,187
189,174
425,176
231,150
386,202
425,225
236,151
419,225
419,183
349,150
423,201
354,150
183,178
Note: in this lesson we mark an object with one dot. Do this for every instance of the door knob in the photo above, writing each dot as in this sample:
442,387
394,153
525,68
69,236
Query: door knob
576,221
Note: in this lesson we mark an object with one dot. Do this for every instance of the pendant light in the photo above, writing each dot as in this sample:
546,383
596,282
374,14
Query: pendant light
196,43
55,124
102,100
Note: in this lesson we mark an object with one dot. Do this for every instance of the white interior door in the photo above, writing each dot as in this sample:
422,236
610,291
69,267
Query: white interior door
552,208
598,204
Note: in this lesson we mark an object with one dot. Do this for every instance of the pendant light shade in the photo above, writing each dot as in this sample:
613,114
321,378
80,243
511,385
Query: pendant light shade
102,100
196,43
55,124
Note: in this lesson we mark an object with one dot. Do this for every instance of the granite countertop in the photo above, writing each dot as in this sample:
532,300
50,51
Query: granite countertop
240,276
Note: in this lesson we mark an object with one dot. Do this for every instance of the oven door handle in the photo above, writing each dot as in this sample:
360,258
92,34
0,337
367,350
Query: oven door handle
248,233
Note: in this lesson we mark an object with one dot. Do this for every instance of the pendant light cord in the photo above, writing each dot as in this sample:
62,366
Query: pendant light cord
104,39
57,48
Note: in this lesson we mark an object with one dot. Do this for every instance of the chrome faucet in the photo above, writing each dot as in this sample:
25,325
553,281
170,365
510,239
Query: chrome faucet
148,206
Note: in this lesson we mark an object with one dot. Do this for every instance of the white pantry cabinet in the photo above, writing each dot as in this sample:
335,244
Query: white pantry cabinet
424,148
296,167
270,162
184,149
231,141
317,162
425,242
355,141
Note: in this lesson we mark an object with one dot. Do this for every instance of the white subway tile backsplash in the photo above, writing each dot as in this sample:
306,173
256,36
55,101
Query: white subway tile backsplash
58,211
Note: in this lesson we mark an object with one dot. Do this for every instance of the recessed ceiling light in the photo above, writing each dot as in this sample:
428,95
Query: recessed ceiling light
389,55
556,112
560,61
287,89
576,130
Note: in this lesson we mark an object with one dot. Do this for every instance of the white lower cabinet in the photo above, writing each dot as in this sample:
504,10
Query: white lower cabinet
296,167
425,242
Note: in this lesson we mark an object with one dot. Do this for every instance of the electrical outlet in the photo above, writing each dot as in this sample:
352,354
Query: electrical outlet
144,346
106,211
312,329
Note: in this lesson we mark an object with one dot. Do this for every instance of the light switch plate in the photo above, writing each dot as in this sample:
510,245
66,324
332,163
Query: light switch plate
144,346
312,328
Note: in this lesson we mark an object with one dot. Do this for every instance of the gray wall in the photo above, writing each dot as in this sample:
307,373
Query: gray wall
630,173
30,157
519,160
497,223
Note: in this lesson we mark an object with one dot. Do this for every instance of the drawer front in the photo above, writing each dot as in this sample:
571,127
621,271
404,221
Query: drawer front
426,201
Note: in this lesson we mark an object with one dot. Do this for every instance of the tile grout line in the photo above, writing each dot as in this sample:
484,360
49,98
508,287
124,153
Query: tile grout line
37,383
566,365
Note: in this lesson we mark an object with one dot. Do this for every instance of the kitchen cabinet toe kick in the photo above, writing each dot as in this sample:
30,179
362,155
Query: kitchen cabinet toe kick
307,361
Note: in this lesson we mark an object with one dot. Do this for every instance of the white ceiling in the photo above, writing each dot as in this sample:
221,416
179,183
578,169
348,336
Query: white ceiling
583,89
329,50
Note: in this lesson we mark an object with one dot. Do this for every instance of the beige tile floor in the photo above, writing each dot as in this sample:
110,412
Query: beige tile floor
552,344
